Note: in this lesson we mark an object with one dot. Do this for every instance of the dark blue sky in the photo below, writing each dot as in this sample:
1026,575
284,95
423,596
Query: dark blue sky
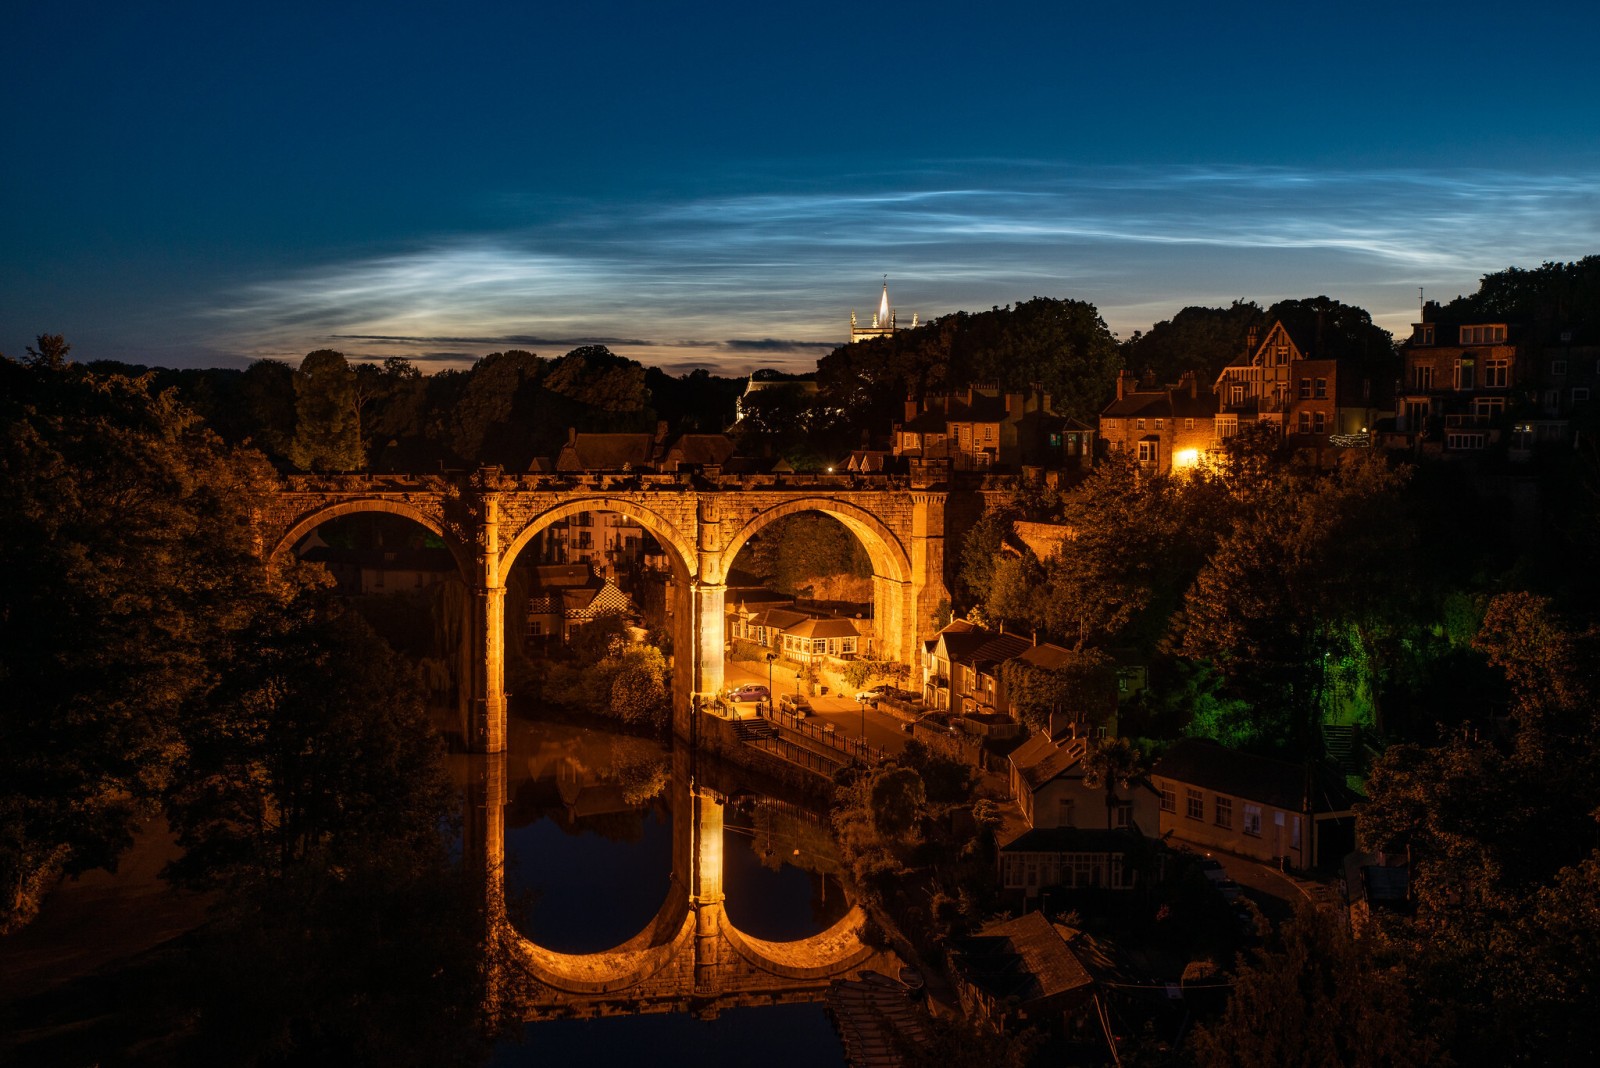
722,183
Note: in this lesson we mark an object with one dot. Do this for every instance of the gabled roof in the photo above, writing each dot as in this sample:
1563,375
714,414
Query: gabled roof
699,450
997,650
1038,763
1026,958
1047,656
1279,783
607,452
779,618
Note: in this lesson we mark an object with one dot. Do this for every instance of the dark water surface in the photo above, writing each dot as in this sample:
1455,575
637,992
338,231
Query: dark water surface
588,862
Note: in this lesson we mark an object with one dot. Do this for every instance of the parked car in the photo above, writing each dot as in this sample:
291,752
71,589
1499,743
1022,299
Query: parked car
748,692
872,696
795,704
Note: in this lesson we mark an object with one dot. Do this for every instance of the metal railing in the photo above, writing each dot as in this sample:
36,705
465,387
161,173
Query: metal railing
827,735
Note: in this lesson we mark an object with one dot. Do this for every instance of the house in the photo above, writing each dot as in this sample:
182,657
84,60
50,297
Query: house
1047,780
960,666
1163,428
982,428
609,542
1272,810
1461,380
1020,973
563,597
643,453
1311,399
1078,836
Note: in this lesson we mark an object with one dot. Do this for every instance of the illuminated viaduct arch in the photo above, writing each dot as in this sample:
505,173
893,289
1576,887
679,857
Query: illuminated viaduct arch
487,518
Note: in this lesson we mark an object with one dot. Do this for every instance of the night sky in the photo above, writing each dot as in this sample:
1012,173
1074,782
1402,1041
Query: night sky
718,185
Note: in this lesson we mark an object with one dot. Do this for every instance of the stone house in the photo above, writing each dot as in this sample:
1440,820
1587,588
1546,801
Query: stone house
1163,428
983,428
960,665
1271,810
563,597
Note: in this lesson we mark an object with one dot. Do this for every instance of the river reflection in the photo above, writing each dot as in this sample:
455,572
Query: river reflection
638,879
588,844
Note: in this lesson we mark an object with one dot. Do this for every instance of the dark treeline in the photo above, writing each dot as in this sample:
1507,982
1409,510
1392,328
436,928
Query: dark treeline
152,668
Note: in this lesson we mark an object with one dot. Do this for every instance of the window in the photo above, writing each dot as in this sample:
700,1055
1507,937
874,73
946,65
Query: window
1110,424
1224,812
585,540
1424,334
1558,368
1305,389
1305,422
1465,441
1188,424
1422,377
1064,812
1122,815
1580,394
849,645
988,433
1319,421
1488,407
1169,799
1483,335
1149,451
1161,424
1236,394
1294,834
1228,427
1464,373
535,628
1322,389
1194,804
1252,820
1139,424
1496,374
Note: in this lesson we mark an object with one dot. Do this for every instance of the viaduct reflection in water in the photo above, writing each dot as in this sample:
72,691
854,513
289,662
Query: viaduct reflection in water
688,958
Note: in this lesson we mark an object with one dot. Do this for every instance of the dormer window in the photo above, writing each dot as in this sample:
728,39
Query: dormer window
1488,334
1424,334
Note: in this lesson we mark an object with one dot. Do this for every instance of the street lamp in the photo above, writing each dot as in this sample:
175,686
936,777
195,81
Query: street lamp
770,658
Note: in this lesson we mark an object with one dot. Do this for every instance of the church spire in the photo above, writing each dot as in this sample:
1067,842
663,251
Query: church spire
883,304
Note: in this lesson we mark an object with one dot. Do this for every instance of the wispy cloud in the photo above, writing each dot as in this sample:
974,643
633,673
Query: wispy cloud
782,269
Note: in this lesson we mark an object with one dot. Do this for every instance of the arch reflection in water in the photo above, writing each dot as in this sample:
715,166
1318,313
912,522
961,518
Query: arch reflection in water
688,956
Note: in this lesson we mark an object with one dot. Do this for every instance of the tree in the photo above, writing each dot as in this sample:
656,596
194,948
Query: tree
1201,340
1111,764
327,433
1320,999
125,539
1311,575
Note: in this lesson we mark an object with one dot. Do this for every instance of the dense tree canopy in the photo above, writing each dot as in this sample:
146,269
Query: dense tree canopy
125,541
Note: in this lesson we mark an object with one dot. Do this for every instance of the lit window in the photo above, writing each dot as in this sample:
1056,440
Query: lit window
1465,373
1252,820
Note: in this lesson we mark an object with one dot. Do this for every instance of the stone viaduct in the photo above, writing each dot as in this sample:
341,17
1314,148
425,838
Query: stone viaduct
486,518
688,958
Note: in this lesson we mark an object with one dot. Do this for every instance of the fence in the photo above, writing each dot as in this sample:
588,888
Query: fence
824,733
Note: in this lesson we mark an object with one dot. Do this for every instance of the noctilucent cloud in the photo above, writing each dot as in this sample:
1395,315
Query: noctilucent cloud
719,185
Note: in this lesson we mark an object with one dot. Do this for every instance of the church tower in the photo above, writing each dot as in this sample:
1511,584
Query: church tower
883,320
